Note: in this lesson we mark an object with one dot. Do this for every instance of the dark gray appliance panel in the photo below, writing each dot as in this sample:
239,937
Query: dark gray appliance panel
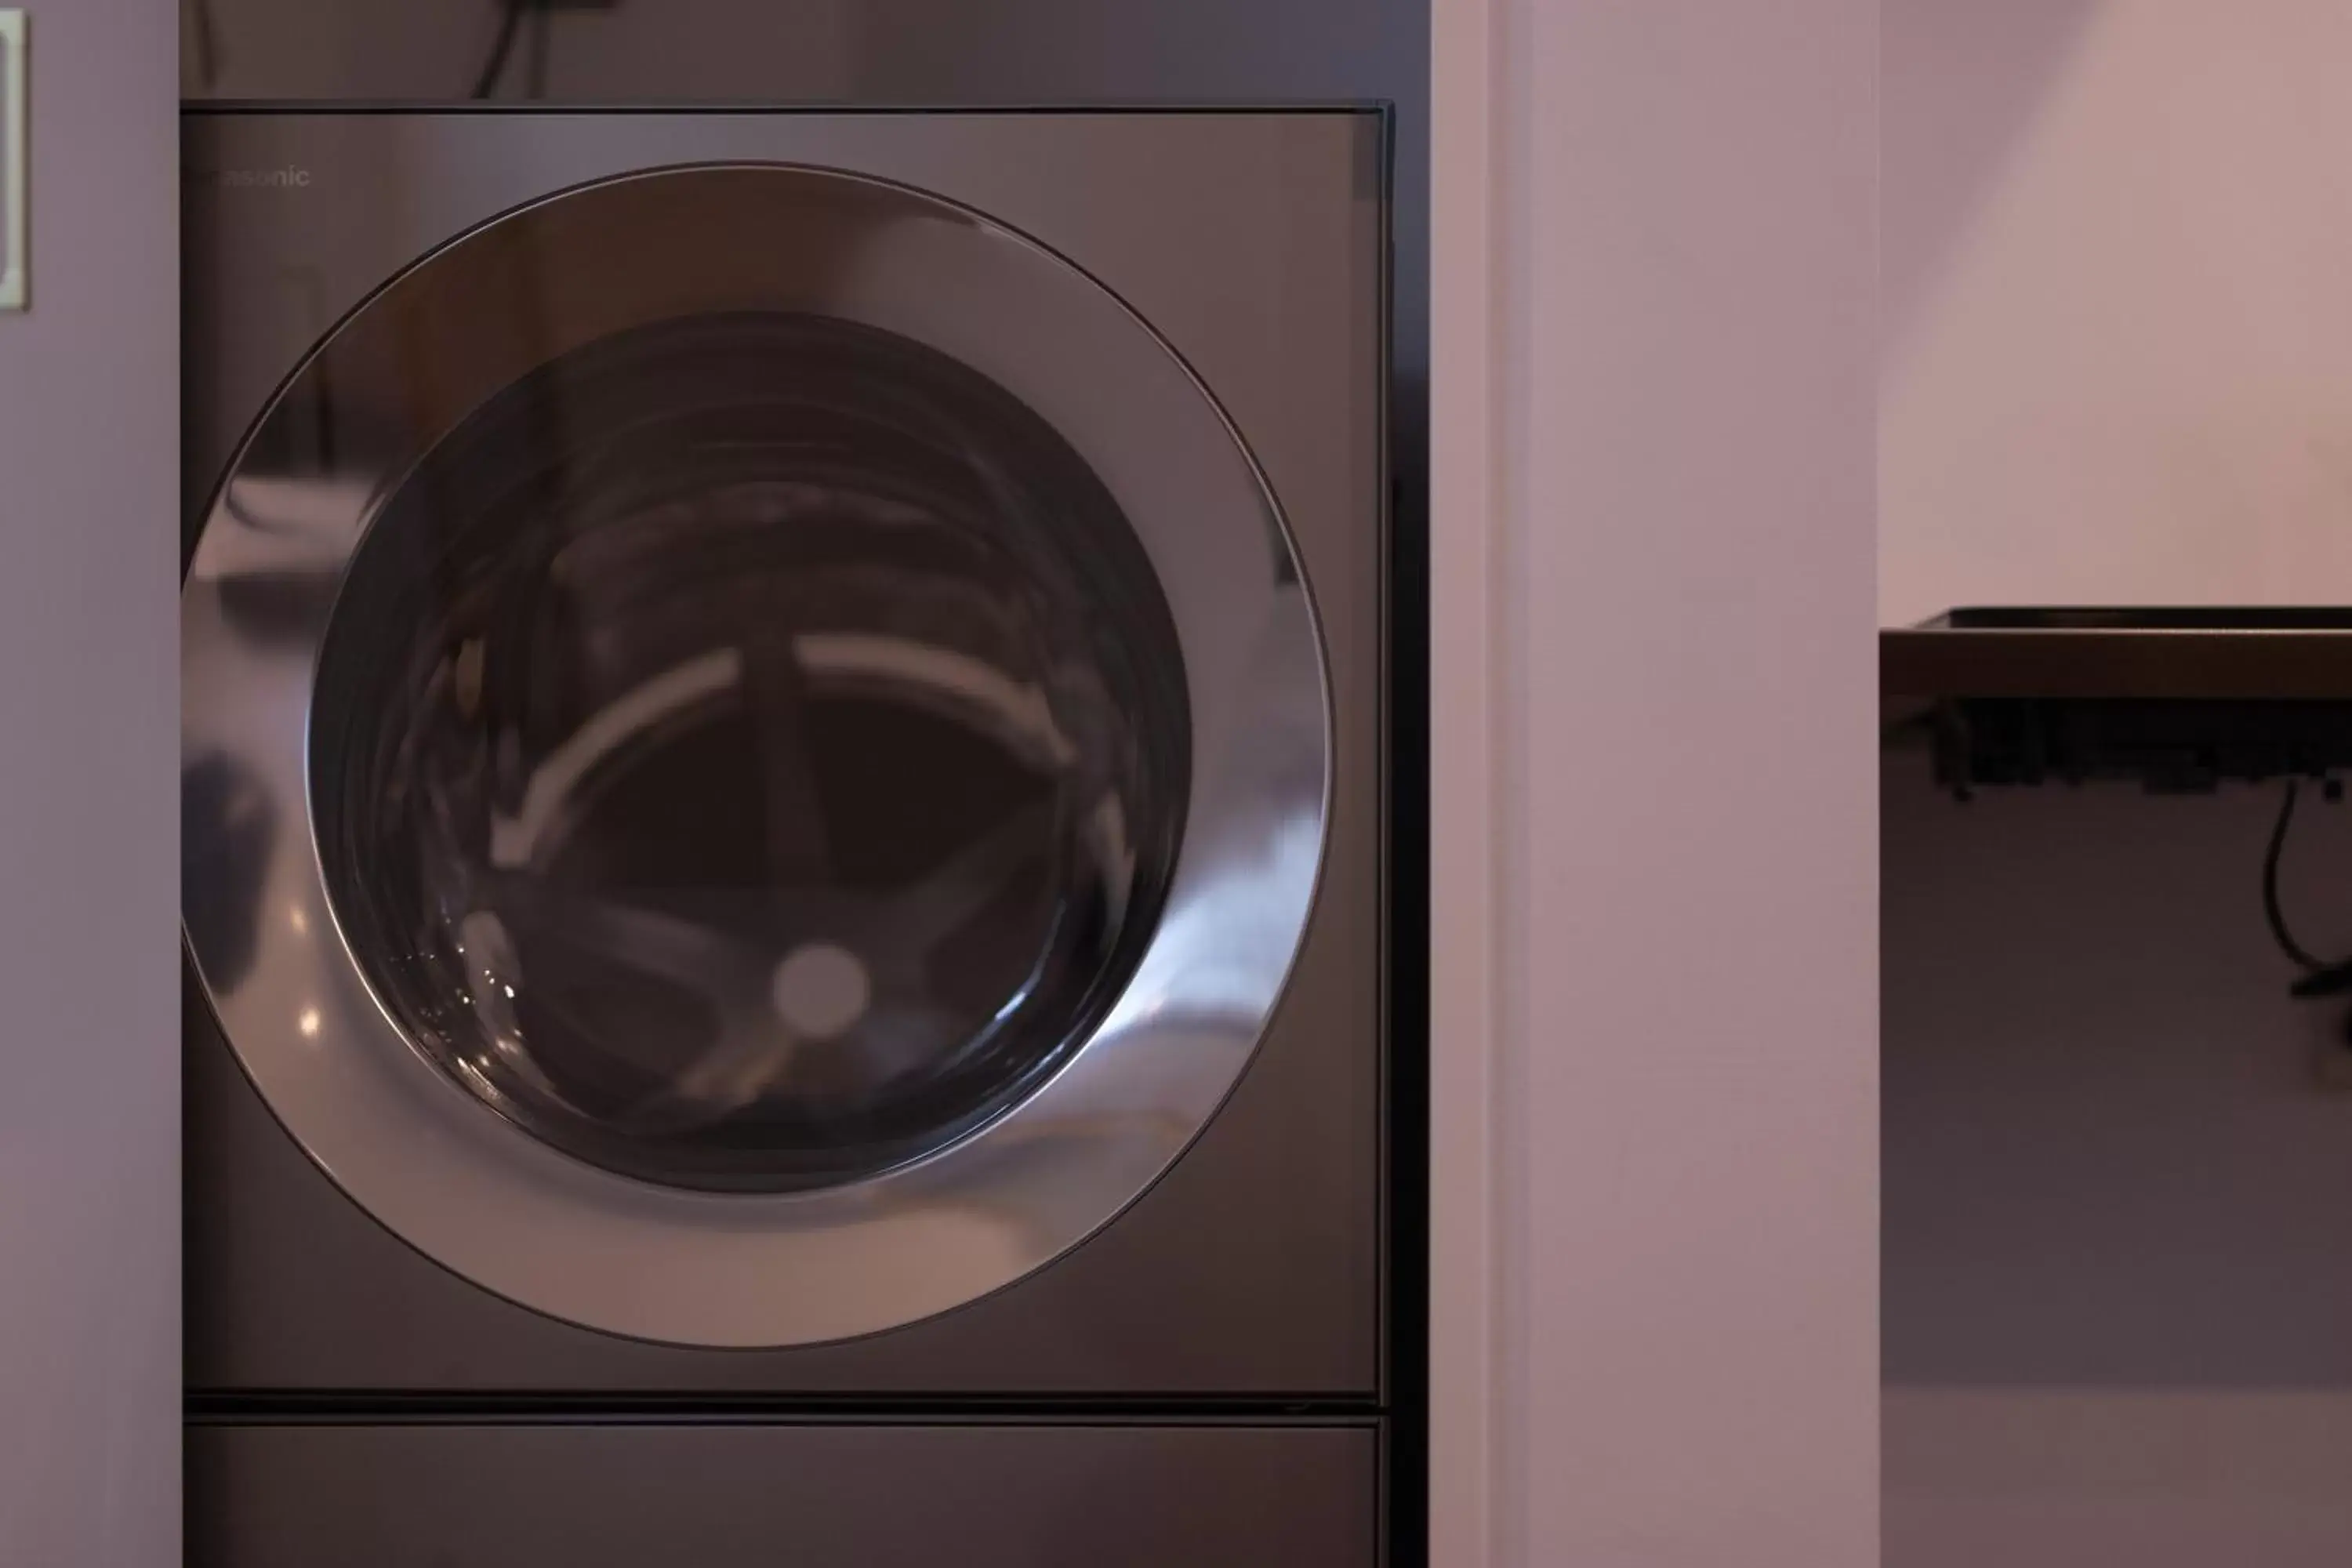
1254,1268
1230,1276
613,1496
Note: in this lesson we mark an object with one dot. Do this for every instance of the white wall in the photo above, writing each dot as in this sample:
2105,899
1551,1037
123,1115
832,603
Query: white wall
2119,342
2118,1292
2117,369
1683,802
89,1115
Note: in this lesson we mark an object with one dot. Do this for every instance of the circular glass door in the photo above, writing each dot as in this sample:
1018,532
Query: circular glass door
750,751
788,747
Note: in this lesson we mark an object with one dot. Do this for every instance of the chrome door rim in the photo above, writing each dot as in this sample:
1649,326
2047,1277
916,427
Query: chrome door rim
465,1187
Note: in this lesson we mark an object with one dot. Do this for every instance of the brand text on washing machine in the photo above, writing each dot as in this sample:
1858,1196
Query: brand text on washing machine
247,178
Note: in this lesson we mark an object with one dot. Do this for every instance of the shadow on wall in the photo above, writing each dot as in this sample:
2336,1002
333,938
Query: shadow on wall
1961,84
2108,1161
2117,1288
429,50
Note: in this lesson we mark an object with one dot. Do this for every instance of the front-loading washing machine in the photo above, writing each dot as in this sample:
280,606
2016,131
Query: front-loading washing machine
782,746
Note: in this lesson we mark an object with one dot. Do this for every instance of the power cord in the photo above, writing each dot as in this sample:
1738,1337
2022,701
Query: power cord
2304,958
203,44
502,47
542,41
2321,978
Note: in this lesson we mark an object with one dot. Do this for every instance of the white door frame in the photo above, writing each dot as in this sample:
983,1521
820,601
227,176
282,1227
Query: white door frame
1654,971
1463,551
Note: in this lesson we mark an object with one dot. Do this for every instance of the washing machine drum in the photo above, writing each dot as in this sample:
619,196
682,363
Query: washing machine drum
755,755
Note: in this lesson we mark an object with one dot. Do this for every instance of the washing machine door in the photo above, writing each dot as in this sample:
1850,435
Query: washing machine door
755,755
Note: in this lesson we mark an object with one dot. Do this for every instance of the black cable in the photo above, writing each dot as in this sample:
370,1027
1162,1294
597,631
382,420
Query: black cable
205,44
503,47
2305,959
542,20
2320,980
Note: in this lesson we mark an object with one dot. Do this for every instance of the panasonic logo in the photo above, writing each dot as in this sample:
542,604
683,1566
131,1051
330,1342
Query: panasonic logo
288,178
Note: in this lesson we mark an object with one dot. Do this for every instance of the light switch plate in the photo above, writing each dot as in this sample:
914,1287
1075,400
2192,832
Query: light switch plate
16,248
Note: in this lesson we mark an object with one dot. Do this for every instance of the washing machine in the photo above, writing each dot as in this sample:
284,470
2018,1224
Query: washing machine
783,769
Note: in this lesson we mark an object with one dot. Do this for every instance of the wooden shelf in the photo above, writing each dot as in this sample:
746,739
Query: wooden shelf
2178,698
2145,655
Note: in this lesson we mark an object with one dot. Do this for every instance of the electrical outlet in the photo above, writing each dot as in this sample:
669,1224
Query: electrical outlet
15,245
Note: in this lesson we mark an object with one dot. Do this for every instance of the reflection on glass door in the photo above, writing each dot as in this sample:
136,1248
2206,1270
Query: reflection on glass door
749,752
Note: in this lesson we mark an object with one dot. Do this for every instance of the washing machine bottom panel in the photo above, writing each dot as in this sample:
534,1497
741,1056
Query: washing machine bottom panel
1252,1271
817,1496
